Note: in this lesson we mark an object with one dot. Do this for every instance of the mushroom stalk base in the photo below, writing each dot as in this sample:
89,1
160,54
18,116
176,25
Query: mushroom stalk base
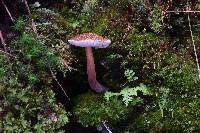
94,84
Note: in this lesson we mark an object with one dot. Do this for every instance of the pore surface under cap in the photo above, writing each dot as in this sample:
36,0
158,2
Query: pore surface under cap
90,43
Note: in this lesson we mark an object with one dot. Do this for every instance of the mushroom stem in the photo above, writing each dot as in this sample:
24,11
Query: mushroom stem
94,84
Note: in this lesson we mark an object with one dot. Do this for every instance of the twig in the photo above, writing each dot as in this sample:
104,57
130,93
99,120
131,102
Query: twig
8,11
107,128
4,44
32,20
188,11
193,43
54,77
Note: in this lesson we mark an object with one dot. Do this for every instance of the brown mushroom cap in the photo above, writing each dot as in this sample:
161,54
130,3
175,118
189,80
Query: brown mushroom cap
89,40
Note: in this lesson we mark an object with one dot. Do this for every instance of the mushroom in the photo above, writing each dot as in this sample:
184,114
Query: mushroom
89,40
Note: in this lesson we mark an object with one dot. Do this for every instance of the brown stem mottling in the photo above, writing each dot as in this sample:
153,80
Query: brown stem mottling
94,84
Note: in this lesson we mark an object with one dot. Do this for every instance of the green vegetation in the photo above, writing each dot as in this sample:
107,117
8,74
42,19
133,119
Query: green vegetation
28,102
150,68
94,109
128,94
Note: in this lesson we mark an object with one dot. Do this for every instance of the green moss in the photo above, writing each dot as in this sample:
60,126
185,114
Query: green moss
139,42
25,111
181,78
93,109
156,18
148,52
19,24
101,24
54,30
172,121
28,102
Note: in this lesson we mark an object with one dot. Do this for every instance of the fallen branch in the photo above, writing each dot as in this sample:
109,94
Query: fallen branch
4,44
193,43
8,11
188,11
